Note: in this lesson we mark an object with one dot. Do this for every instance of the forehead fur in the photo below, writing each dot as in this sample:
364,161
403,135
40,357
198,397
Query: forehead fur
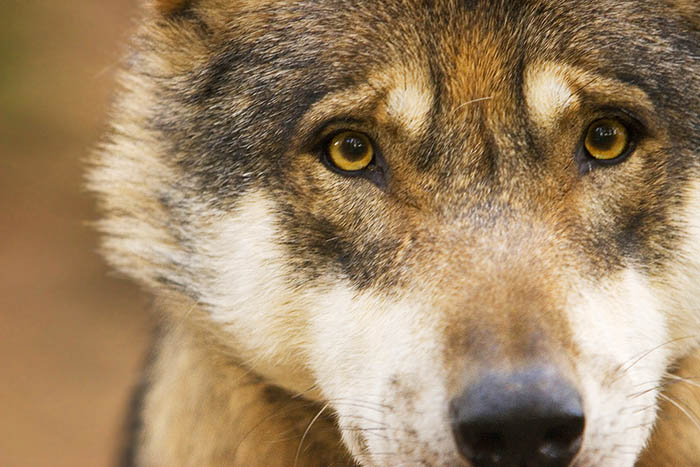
548,93
410,100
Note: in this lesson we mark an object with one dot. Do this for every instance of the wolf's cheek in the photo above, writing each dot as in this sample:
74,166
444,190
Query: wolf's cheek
244,288
677,289
624,351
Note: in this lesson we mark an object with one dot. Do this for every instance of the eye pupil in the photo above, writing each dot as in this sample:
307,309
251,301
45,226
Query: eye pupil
604,137
353,148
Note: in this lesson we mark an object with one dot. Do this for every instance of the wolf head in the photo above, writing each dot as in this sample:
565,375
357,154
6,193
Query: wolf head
472,228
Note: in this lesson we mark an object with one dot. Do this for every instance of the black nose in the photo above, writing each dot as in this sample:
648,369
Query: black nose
529,418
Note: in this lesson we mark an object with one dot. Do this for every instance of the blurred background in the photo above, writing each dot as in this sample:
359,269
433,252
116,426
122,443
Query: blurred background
72,336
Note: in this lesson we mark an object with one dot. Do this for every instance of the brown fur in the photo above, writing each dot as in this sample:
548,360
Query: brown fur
168,7
676,438
204,409
690,9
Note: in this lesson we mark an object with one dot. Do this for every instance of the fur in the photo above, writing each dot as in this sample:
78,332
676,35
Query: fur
311,317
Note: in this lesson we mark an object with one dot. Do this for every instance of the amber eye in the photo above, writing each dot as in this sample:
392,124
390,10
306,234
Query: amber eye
350,151
607,139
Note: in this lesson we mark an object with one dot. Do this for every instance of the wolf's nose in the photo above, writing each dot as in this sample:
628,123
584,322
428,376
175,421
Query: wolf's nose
529,418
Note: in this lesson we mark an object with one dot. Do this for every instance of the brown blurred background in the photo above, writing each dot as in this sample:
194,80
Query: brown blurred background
72,336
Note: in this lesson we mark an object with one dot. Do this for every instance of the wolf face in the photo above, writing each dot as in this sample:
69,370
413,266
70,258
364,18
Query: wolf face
469,229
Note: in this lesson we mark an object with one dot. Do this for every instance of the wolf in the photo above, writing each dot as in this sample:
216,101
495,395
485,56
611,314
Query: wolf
411,232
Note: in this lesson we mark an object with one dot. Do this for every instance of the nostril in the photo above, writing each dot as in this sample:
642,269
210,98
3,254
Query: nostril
482,444
563,438
490,442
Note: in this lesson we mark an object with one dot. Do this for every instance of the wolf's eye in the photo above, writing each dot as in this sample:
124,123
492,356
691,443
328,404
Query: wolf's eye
607,139
350,151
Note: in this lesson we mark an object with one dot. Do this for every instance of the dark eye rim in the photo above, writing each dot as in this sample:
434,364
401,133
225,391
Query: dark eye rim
635,133
375,171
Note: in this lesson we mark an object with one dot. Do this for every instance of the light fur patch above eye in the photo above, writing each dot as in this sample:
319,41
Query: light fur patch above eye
410,105
547,94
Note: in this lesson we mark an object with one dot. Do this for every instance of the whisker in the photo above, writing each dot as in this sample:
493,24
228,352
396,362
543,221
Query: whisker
624,368
274,414
306,432
634,395
364,401
360,417
682,379
474,101
688,413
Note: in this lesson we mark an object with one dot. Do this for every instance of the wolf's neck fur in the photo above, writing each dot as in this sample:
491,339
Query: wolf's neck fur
202,409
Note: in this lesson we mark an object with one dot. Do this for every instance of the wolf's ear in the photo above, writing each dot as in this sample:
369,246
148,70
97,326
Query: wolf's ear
171,7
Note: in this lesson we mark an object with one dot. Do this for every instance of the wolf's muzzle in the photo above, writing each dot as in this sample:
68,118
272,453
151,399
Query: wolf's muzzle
532,417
